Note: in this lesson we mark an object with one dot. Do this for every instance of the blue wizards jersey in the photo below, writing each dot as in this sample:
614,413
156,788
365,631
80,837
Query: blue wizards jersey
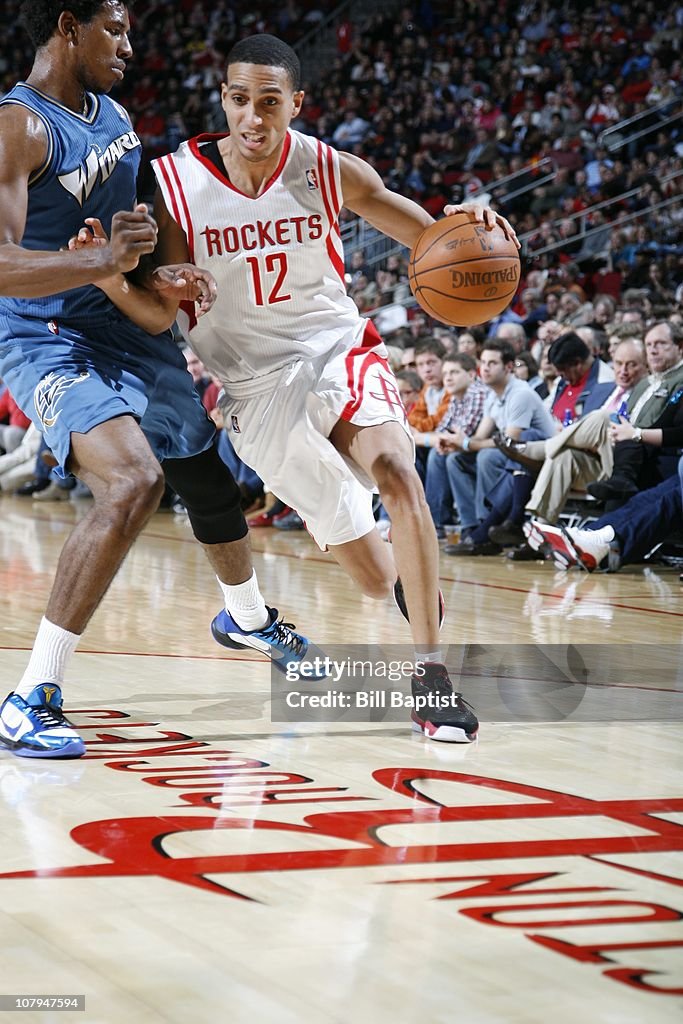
90,170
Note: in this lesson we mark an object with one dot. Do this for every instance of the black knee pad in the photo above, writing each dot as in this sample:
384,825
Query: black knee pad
211,496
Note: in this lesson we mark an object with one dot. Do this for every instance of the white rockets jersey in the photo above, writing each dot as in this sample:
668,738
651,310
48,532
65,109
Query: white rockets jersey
278,258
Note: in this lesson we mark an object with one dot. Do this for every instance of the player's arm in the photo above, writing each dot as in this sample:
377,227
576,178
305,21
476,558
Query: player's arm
26,273
394,215
151,294
365,193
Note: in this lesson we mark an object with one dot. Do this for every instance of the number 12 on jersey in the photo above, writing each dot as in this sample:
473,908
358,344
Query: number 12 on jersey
275,264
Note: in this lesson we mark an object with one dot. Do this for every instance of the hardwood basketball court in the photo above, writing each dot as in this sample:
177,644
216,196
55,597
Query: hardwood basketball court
203,863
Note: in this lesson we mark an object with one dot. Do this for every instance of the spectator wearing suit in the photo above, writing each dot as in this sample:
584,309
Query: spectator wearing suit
645,449
502,526
584,381
574,457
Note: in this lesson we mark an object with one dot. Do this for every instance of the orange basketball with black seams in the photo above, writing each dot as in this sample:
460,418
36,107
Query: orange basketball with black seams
462,274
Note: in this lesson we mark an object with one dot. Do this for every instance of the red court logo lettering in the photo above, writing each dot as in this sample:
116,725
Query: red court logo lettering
536,886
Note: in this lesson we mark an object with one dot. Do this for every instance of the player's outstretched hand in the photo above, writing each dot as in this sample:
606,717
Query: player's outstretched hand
488,217
185,282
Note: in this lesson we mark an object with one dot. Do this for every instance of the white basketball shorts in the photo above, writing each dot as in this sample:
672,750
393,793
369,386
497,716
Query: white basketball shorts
282,433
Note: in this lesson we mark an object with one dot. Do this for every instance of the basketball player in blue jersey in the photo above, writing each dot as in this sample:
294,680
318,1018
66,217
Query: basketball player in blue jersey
312,403
113,399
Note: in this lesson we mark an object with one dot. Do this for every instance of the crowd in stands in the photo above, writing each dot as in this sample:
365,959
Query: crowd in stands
512,103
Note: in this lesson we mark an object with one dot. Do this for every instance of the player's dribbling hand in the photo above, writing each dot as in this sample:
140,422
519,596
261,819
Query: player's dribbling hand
185,282
488,217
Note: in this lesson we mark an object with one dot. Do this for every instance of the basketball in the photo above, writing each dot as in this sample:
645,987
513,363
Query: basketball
462,274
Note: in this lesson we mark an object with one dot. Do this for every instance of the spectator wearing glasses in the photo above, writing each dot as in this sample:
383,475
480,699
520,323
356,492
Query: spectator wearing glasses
645,442
526,368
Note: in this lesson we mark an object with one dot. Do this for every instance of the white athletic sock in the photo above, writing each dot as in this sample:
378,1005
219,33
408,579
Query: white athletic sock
429,657
52,649
245,603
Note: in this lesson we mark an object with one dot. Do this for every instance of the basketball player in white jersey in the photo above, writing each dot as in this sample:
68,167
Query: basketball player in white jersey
310,402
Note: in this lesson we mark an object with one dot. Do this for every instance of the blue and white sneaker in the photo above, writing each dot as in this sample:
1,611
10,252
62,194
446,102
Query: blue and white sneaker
36,727
278,640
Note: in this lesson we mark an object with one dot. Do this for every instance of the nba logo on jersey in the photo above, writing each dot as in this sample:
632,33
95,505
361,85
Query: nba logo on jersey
311,178
53,327
235,425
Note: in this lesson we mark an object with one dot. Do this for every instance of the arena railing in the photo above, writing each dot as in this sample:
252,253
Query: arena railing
317,50
608,226
618,143
584,215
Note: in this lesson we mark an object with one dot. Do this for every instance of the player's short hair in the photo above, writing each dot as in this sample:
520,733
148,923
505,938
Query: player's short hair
270,52
40,17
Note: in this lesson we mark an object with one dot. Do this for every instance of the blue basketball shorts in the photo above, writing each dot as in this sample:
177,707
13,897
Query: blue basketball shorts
69,381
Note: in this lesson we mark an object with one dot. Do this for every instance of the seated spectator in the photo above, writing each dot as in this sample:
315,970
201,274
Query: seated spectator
390,315
468,343
358,267
623,536
574,457
644,448
508,327
17,467
200,378
465,410
619,333
547,371
433,401
526,368
13,423
352,130
584,381
408,358
409,387
474,463
570,310
545,311
604,308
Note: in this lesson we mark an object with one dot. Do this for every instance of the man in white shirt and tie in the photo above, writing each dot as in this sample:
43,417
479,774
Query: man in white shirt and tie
583,451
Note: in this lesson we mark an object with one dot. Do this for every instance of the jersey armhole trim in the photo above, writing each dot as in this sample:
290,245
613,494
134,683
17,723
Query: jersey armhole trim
36,175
